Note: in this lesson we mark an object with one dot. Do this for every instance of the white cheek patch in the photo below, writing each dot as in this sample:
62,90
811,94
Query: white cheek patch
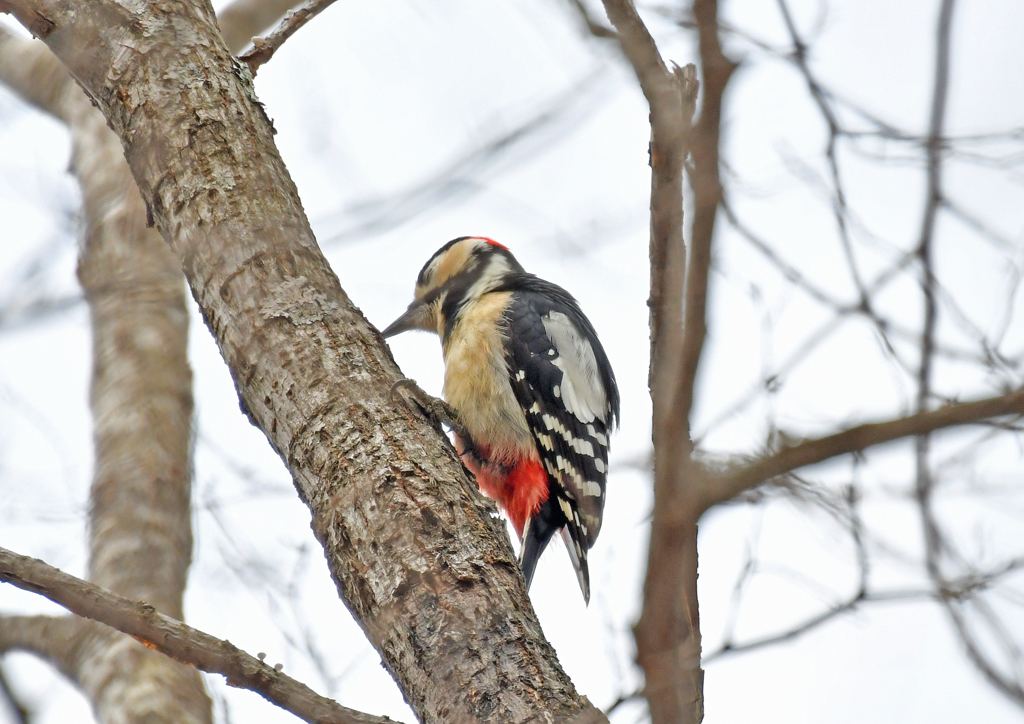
581,390
496,269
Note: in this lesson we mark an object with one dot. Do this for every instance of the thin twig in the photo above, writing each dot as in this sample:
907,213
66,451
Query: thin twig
593,27
859,438
923,478
707,195
19,711
176,639
242,19
263,49
839,208
847,606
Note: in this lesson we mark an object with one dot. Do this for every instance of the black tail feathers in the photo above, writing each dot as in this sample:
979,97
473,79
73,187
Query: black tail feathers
539,531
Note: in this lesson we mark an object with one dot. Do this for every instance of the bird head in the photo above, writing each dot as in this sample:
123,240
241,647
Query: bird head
458,273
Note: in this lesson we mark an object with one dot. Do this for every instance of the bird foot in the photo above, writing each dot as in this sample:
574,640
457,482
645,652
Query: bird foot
439,411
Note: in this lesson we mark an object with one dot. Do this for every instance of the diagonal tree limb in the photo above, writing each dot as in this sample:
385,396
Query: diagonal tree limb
263,49
412,547
243,19
163,633
593,27
855,439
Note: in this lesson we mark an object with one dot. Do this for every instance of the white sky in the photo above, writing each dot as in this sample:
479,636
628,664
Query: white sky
372,101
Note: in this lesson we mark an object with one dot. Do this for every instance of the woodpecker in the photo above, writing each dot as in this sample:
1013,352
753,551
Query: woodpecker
532,388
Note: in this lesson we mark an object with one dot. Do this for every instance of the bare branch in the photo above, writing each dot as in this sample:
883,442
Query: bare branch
823,101
707,192
54,639
593,27
859,438
263,49
847,606
243,19
668,633
671,96
29,69
1013,690
175,639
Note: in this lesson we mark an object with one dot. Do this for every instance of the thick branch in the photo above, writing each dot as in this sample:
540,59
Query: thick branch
52,638
173,638
856,439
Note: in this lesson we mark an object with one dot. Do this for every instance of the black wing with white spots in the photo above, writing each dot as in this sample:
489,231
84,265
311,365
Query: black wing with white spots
561,377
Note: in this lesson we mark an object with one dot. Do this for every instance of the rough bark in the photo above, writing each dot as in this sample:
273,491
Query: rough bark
416,553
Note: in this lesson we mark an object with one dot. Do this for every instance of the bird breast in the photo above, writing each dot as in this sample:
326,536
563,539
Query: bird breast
476,381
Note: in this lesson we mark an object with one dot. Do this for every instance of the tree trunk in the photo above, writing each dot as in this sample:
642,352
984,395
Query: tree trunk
415,551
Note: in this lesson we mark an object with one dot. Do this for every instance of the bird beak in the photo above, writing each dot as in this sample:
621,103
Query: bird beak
417,316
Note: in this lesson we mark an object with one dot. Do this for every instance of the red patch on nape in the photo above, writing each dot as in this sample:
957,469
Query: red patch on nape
492,242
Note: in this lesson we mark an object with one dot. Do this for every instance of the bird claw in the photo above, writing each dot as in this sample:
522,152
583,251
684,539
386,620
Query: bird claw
433,407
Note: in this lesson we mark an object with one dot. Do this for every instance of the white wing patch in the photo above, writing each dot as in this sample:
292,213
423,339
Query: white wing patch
581,388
